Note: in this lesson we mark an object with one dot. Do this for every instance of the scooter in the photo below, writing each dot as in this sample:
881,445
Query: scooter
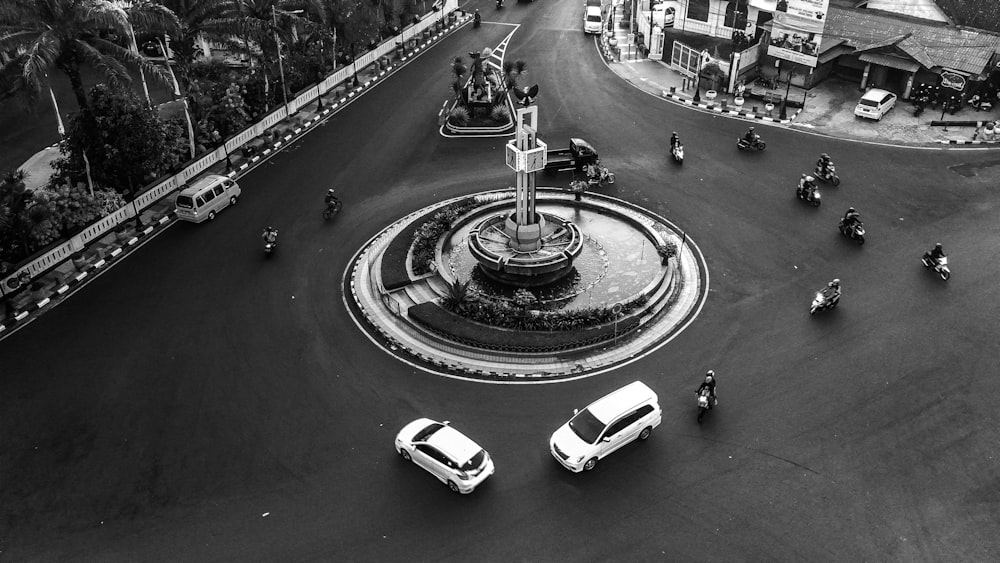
857,232
940,266
808,196
829,176
705,403
743,144
477,20
678,153
821,302
332,209
603,176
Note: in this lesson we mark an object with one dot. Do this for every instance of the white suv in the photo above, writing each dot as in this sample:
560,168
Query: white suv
445,453
609,423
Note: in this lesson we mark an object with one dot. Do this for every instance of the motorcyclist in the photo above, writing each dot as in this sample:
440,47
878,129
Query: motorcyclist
808,185
709,383
936,254
330,198
750,136
824,164
270,235
476,18
832,291
674,141
852,218
592,171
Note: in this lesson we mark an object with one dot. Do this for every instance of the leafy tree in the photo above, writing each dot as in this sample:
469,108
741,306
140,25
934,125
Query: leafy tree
216,20
126,143
66,34
21,213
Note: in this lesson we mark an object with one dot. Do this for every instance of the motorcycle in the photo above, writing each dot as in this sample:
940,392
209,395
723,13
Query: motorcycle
743,144
857,232
821,302
677,151
477,20
601,177
829,176
332,209
705,403
499,4
809,196
940,266
270,243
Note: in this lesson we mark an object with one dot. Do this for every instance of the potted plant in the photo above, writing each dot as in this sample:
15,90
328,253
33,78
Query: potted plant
79,261
123,233
37,289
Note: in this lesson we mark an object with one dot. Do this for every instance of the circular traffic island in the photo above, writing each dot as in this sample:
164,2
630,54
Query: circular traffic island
443,290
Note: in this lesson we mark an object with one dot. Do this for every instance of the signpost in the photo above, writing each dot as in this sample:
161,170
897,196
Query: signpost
797,30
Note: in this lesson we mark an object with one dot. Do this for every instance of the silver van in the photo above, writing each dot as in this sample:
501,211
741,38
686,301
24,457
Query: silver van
630,413
206,197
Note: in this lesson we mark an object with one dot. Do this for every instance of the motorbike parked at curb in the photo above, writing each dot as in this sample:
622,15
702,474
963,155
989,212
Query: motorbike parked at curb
743,144
855,232
830,175
940,266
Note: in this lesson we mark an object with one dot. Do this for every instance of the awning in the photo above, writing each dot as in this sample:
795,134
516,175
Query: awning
889,61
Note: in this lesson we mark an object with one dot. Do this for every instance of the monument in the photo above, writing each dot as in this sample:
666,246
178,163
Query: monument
525,248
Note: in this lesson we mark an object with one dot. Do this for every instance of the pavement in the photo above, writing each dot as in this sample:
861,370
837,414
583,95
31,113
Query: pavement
828,108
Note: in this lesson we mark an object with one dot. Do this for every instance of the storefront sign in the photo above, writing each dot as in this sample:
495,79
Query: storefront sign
797,30
952,80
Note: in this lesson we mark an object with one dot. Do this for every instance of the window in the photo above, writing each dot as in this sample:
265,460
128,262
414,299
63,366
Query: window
427,431
644,410
208,196
185,201
698,10
200,201
433,453
219,190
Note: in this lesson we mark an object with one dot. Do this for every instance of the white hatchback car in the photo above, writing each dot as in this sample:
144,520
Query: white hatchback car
630,413
446,453
875,104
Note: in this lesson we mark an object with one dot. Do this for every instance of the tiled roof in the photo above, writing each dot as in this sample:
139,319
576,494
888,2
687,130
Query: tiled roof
929,43
982,14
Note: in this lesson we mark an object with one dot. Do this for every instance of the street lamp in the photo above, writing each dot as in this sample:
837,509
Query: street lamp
697,80
784,101
277,46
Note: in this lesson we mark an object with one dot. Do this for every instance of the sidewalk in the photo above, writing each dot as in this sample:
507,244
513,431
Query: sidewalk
828,108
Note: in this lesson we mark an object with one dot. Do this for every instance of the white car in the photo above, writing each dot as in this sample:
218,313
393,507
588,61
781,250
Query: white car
875,104
630,413
669,10
592,20
446,453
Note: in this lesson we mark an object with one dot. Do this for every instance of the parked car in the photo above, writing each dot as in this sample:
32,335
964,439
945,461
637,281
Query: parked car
669,10
592,20
628,414
445,453
875,104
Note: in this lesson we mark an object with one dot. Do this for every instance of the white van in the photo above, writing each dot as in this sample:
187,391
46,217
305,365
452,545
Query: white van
609,423
206,197
592,20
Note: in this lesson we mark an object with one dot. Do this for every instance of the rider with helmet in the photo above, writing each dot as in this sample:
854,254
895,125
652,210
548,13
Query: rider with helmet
709,383
750,136
823,165
852,218
808,185
832,291
269,235
674,141
936,254
330,198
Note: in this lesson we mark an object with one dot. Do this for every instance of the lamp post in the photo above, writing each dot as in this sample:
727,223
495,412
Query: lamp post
784,101
697,79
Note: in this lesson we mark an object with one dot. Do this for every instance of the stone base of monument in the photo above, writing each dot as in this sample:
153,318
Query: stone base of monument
528,255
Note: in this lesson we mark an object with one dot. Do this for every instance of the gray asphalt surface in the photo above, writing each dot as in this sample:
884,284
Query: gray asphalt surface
162,411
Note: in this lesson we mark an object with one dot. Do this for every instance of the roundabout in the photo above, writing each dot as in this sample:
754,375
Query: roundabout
654,298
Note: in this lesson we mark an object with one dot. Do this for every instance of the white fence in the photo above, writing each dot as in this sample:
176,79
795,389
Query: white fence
60,253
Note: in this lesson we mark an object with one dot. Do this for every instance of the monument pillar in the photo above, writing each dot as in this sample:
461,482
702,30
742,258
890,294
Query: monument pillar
526,155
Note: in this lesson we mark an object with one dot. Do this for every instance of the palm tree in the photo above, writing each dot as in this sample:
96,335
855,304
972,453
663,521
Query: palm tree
67,34
216,20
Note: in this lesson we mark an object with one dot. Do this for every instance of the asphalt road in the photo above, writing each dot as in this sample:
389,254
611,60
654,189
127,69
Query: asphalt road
198,402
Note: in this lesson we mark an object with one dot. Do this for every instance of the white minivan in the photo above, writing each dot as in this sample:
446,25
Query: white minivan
592,19
609,423
206,197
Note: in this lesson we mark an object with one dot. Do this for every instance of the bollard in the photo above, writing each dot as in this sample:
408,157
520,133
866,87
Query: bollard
754,109
673,89
724,104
